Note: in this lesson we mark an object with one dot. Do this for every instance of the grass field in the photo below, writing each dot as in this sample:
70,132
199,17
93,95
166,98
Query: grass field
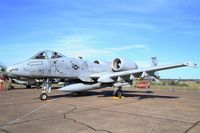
187,85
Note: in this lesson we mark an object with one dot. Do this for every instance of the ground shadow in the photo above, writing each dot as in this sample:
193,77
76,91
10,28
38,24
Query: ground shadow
135,94
139,94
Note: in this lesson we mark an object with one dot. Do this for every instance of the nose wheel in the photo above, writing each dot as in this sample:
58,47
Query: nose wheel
43,96
45,90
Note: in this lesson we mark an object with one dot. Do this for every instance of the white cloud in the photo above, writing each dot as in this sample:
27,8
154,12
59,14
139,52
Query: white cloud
128,47
75,46
87,47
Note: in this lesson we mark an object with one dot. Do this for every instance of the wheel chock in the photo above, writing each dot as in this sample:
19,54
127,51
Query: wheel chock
117,98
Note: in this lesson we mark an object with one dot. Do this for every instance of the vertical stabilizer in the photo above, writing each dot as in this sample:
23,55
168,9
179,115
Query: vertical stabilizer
154,61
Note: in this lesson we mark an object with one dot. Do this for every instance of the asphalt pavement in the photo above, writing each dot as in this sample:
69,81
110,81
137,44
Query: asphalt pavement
21,111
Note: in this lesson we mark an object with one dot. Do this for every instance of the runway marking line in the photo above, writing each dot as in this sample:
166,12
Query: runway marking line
25,115
33,111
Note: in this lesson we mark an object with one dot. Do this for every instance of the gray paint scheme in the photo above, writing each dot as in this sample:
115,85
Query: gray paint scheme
90,75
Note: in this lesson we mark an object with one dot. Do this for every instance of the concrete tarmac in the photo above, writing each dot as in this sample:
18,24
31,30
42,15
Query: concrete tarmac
21,111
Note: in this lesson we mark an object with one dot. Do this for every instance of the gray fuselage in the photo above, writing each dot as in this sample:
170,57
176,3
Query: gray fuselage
64,67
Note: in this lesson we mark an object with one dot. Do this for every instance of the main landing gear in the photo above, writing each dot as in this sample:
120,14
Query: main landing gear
118,92
46,88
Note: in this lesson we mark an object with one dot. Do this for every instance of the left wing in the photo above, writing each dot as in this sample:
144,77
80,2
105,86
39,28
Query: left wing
113,76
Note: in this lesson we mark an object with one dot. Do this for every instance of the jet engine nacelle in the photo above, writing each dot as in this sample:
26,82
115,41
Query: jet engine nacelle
122,64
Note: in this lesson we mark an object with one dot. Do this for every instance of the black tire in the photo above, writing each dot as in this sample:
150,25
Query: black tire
37,86
12,87
28,86
118,93
43,96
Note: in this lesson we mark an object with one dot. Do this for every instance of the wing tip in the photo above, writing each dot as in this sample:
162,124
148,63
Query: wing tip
191,64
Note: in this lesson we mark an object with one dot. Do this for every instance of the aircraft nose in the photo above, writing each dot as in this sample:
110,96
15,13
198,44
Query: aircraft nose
11,69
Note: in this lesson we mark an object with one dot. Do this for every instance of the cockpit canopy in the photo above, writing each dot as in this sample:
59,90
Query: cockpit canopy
48,55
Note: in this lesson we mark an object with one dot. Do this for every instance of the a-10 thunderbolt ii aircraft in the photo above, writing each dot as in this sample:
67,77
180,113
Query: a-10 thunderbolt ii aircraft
82,75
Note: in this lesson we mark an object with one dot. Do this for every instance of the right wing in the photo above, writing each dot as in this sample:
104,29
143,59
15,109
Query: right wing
112,76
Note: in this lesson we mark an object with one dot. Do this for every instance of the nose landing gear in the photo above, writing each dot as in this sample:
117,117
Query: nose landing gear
46,88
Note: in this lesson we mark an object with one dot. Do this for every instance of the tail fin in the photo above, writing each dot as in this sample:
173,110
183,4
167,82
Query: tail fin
3,74
2,67
154,61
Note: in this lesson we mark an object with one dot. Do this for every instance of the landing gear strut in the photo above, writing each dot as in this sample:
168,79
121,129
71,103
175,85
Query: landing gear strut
46,88
118,92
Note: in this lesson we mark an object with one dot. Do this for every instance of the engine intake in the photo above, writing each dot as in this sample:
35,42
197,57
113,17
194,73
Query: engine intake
122,64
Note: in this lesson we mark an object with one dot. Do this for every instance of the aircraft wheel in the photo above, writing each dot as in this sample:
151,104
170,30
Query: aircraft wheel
28,86
118,93
12,87
37,86
43,96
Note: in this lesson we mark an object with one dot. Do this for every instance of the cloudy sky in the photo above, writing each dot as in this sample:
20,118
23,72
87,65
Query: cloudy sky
103,29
